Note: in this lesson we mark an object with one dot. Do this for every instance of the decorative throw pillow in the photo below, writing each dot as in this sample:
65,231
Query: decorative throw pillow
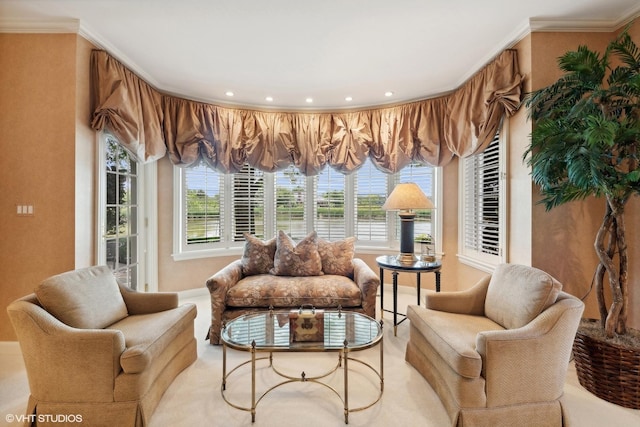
257,257
337,256
517,294
87,298
302,259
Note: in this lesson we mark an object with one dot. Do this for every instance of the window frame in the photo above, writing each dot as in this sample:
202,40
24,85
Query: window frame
484,261
181,251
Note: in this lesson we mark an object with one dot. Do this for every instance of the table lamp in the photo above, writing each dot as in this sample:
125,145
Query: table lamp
406,197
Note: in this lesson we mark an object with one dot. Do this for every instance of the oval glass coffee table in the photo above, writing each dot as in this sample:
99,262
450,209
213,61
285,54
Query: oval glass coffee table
268,332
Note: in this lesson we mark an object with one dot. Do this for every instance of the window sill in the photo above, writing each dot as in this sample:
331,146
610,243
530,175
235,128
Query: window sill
477,264
207,253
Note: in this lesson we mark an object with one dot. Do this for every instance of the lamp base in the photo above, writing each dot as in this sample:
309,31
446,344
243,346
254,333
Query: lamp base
405,258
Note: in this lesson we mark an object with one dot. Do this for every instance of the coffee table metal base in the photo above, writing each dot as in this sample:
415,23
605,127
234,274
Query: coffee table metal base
343,362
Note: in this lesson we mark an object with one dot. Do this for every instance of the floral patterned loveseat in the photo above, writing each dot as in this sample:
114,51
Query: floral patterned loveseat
281,274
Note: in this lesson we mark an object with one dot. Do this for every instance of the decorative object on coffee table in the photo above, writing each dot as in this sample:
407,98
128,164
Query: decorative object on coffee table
306,324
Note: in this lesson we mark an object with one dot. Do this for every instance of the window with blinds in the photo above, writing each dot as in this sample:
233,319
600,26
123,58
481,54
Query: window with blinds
290,198
216,209
482,205
203,213
371,192
422,175
330,204
247,207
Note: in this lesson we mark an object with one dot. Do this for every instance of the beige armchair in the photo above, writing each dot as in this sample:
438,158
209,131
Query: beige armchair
99,351
497,354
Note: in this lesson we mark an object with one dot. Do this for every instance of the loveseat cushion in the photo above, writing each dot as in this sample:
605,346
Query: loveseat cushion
453,336
87,298
148,335
300,259
257,257
284,291
337,257
517,294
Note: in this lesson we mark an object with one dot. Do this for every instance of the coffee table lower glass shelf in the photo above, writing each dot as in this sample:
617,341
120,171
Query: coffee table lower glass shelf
268,332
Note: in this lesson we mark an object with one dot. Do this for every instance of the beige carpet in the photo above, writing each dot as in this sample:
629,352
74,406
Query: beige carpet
194,398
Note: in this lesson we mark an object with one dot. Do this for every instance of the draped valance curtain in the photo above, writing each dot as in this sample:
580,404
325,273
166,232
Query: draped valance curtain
151,124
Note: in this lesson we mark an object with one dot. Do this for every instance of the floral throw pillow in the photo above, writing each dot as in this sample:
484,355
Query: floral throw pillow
257,257
302,259
337,256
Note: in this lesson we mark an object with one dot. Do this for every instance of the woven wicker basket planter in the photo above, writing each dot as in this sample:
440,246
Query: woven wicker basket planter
607,370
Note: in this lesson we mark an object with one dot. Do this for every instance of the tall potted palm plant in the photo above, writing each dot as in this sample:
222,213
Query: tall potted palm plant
586,142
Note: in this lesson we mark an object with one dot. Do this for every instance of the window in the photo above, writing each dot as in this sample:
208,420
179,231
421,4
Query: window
247,203
215,209
291,202
372,189
423,176
483,200
335,205
330,202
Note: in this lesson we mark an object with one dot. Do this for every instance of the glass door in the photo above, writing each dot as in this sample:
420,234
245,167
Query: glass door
120,213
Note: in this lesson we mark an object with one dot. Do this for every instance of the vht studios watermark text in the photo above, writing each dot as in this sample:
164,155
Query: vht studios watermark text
44,418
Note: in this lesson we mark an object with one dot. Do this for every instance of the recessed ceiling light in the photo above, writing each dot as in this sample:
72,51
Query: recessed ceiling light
348,98
389,93
309,100
268,98
228,93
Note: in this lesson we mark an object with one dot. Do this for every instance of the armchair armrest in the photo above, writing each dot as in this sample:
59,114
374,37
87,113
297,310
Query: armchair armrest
144,303
218,285
368,282
50,348
530,363
469,301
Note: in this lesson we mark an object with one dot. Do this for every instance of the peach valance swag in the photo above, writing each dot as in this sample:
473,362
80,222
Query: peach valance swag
151,124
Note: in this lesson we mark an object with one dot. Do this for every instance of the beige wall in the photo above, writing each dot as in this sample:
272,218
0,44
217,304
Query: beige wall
42,82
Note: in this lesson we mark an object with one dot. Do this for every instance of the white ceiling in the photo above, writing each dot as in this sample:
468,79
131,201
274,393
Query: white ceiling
323,49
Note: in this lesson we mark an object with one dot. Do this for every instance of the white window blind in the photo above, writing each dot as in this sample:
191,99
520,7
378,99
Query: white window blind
483,205
371,193
247,208
330,204
422,175
203,213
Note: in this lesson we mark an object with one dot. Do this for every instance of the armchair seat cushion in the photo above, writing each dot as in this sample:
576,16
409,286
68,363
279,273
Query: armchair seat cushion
265,290
147,336
453,336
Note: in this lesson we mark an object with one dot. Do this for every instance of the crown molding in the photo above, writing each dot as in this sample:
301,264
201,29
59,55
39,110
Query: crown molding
586,25
38,26
102,43
573,26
